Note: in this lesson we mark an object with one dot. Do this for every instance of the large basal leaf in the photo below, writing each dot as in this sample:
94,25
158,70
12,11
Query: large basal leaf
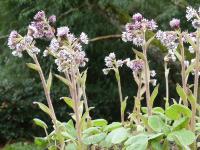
112,126
99,122
94,139
180,124
175,111
155,136
138,142
91,130
71,146
155,123
182,137
117,136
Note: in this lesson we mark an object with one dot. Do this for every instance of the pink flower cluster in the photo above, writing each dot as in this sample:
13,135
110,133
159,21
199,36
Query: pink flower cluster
40,27
135,29
170,40
67,49
136,65
193,15
111,63
19,44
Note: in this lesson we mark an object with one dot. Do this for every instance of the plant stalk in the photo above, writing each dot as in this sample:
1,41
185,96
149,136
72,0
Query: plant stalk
183,75
74,95
167,85
120,93
47,93
147,77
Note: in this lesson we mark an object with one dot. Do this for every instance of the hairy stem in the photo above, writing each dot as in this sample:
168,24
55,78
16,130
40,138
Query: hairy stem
183,75
196,82
120,93
147,77
138,104
47,93
196,76
167,85
74,95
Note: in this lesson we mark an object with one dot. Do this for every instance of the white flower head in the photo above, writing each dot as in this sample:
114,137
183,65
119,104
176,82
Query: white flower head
154,81
62,31
84,38
190,13
191,50
153,73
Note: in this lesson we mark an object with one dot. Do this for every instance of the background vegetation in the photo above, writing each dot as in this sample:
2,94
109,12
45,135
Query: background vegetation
20,86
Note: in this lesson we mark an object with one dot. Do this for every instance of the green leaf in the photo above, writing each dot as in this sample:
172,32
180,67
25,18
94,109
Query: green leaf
112,126
139,54
191,98
49,81
69,126
182,137
64,80
181,92
189,69
68,136
68,101
117,136
33,66
40,141
138,142
153,95
175,111
180,124
94,139
99,122
123,105
40,123
156,145
43,108
178,56
71,146
84,77
155,123
155,136
189,40
91,130
158,110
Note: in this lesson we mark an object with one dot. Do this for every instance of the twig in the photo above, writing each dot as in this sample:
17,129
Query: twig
105,37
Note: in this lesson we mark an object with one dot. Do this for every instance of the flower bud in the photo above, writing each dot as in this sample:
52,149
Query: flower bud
174,23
